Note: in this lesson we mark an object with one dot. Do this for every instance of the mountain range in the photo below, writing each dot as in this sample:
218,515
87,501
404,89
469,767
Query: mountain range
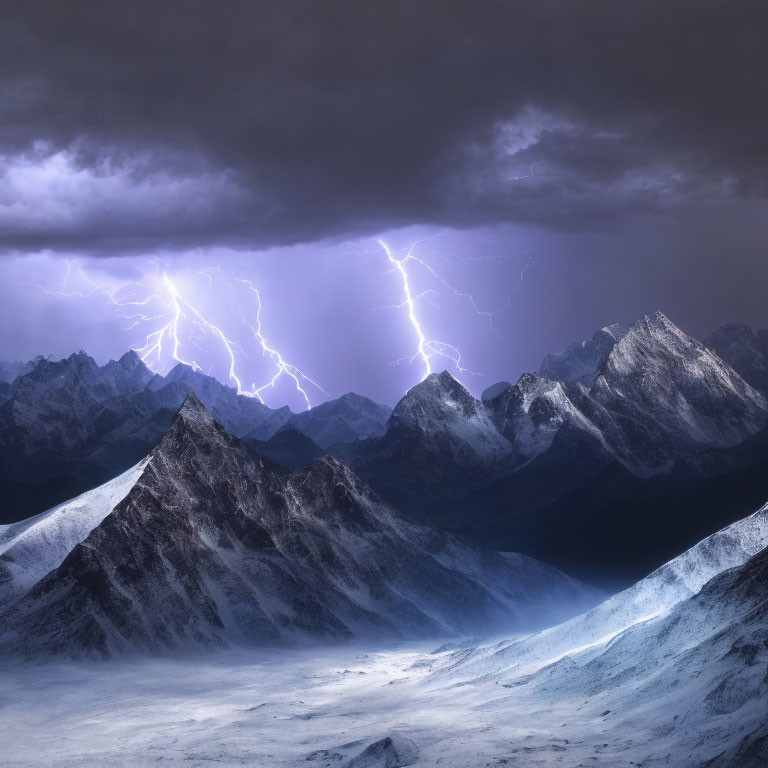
70,425
617,454
205,544
606,471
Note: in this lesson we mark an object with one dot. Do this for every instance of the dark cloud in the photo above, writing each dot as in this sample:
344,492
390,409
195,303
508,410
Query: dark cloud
274,122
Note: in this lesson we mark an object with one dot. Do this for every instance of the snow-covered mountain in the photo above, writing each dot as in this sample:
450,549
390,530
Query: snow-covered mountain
582,361
440,442
670,671
661,395
33,547
213,545
649,393
443,411
656,595
531,413
619,427
640,418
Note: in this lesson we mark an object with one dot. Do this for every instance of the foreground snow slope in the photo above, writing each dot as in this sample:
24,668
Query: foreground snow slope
699,700
33,547
666,587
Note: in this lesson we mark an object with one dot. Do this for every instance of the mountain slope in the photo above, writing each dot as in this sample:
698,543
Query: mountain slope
10,371
240,415
289,448
744,350
655,595
606,480
631,402
347,418
532,412
214,545
582,362
662,395
33,547
672,671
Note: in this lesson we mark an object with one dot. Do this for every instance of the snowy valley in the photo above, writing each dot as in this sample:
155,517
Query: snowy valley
262,588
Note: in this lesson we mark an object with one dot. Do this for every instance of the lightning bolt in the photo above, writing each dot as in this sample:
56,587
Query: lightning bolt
283,368
183,310
184,323
426,348
489,315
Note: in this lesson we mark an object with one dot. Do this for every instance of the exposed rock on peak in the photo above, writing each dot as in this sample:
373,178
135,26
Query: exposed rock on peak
439,439
661,395
68,425
193,413
447,418
653,394
437,398
531,413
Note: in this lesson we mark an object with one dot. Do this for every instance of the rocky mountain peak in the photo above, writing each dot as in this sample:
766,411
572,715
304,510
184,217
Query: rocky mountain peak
654,340
193,414
82,358
662,394
130,359
438,390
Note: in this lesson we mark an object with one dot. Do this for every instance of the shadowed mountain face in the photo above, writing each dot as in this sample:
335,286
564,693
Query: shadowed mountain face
440,442
650,394
69,425
343,420
289,448
214,545
9,372
745,351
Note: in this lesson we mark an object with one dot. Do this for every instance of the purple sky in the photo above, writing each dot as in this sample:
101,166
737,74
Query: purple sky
613,155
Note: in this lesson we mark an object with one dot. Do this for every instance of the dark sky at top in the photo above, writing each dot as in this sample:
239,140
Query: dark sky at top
622,144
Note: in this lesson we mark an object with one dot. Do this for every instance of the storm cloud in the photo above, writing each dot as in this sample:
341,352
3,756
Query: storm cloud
133,126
